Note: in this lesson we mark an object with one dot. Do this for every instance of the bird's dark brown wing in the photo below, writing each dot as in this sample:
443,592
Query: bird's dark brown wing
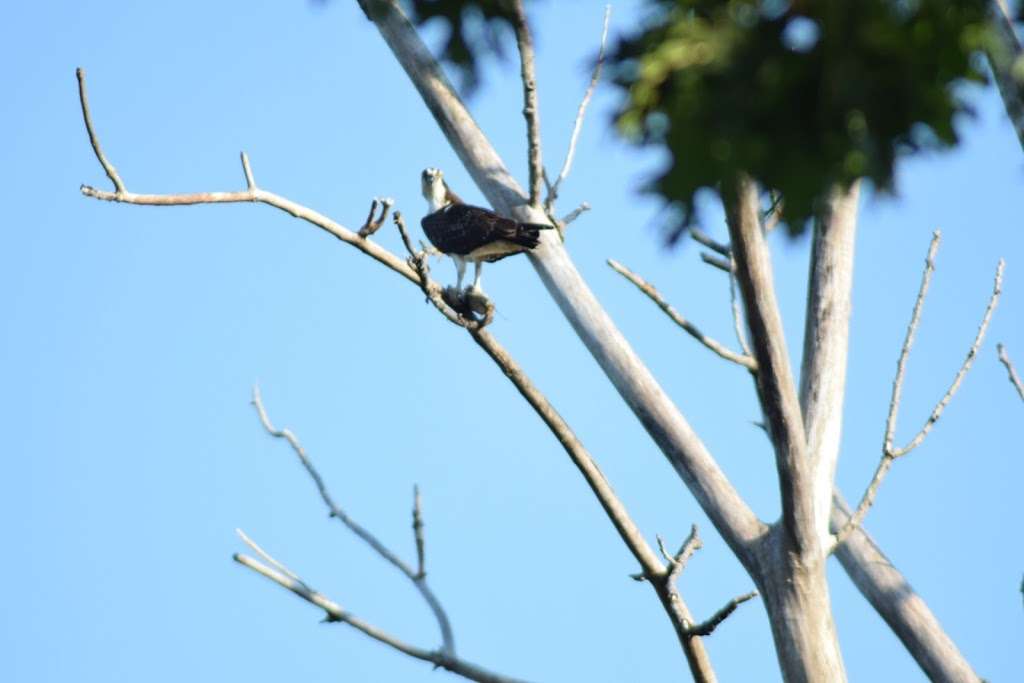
461,229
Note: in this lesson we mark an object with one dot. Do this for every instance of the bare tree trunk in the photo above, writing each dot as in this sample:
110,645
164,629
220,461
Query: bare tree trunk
796,596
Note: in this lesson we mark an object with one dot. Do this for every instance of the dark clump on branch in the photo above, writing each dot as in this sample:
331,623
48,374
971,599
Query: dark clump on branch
799,95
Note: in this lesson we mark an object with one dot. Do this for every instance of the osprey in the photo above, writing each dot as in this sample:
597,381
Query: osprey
469,233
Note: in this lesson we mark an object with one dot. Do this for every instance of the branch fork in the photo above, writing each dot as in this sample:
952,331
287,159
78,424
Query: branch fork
891,452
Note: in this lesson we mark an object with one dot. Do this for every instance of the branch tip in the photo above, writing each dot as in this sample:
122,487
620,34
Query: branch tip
1015,380
595,76
83,98
889,452
247,170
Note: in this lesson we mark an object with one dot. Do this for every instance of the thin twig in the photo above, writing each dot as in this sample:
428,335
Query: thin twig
577,125
83,98
418,579
531,108
723,264
908,341
335,613
737,317
371,249
250,182
267,556
417,532
773,215
677,563
372,224
1004,358
702,237
705,628
964,368
745,360
575,213
700,665
889,452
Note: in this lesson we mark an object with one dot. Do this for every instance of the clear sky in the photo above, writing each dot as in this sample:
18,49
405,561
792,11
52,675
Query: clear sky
131,337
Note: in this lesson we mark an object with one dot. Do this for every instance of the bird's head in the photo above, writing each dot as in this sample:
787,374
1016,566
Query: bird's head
435,189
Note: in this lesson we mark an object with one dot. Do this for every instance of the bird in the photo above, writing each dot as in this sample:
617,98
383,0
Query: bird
470,233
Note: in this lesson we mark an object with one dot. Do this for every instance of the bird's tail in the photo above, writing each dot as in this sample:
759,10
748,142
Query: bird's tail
528,234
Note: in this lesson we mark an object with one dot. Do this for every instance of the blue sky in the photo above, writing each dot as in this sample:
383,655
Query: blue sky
131,337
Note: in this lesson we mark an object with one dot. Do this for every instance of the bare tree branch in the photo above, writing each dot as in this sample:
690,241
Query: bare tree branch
335,613
770,219
108,167
700,665
705,628
372,224
418,578
889,452
717,347
531,108
267,556
901,364
723,264
702,237
574,214
894,599
1004,358
549,203
826,342
417,532
776,388
737,316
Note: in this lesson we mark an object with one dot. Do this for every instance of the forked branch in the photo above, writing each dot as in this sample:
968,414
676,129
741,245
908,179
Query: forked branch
334,612
1004,358
690,632
417,577
890,452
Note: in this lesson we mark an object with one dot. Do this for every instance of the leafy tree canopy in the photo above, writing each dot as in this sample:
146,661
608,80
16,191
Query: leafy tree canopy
800,94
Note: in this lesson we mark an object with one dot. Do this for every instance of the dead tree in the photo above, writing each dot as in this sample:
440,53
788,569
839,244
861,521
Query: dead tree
785,558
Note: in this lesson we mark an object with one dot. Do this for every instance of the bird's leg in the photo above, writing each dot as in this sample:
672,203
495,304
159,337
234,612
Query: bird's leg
460,267
476,278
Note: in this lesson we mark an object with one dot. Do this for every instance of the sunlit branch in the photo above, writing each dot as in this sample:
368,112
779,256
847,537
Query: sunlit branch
334,612
553,188
889,452
1004,358
418,577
